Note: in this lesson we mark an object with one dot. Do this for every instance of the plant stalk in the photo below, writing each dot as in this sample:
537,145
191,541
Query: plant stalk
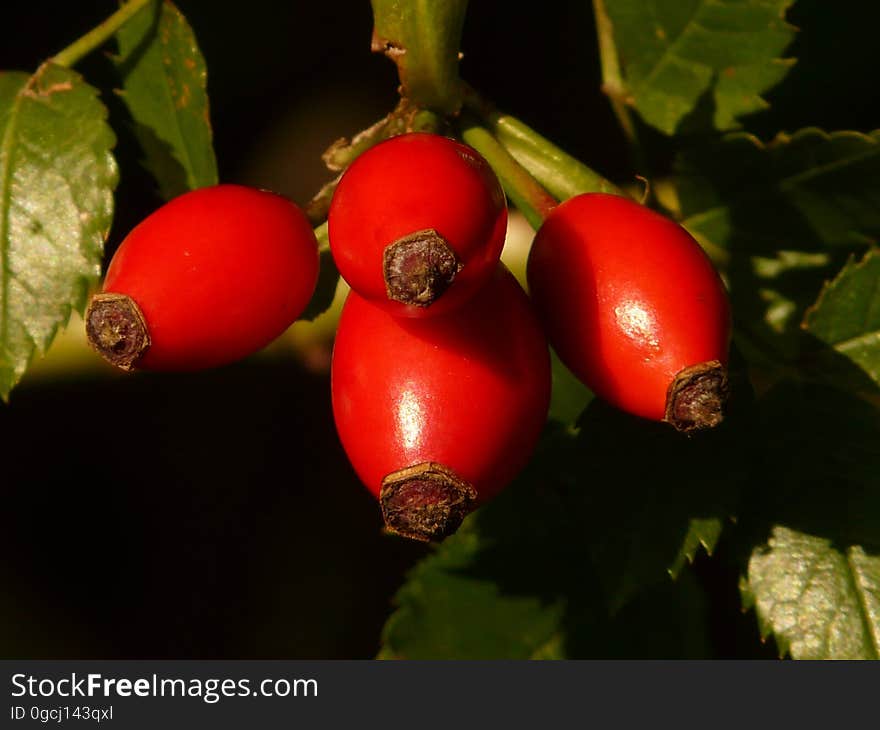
561,174
99,35
423,38
403,119
613,85
526,193
323,238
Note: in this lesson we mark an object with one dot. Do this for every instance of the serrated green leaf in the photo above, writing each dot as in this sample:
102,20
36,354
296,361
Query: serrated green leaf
517,581
846,316
445,611
675,51
57,176
503,585
817,489
820,471
769,295
662,496
780,218
807,191
667,621
164,86
820,600
702,533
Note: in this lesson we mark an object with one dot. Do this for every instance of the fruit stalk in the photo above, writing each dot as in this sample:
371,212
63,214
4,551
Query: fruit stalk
423,40
527,194
561,174
613,85
99,35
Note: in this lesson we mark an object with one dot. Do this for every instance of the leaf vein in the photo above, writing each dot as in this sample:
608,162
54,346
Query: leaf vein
789,182
6,166
850,343
780,184
669,52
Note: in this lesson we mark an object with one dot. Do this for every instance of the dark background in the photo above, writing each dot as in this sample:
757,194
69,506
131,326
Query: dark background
215,515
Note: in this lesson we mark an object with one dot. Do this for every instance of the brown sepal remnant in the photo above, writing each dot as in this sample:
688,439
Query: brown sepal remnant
425,502
390,48
419,267
116,328
697,396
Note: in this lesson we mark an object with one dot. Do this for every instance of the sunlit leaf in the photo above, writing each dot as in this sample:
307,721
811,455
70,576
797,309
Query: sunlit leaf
802,192
675,51
846,316
819,600
57,176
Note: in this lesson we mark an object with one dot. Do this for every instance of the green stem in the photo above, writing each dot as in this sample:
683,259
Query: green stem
319,206
560,173
343,151
613,84
423,38
338,156
404,118
323,239
99,35
525,192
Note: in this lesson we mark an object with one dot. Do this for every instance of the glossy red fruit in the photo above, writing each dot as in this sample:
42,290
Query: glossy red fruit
634,308
438,415
210,277
417,224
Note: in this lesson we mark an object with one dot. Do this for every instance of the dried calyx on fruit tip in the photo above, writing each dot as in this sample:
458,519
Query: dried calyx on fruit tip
697,396
425,502
419,267
116,328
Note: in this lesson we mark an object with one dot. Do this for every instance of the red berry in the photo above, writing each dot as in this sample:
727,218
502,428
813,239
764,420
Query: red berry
210,277
417,220
634,308
437,415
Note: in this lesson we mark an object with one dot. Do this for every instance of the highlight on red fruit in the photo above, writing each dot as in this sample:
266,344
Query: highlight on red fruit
209,278
634,308
417,224
438,415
